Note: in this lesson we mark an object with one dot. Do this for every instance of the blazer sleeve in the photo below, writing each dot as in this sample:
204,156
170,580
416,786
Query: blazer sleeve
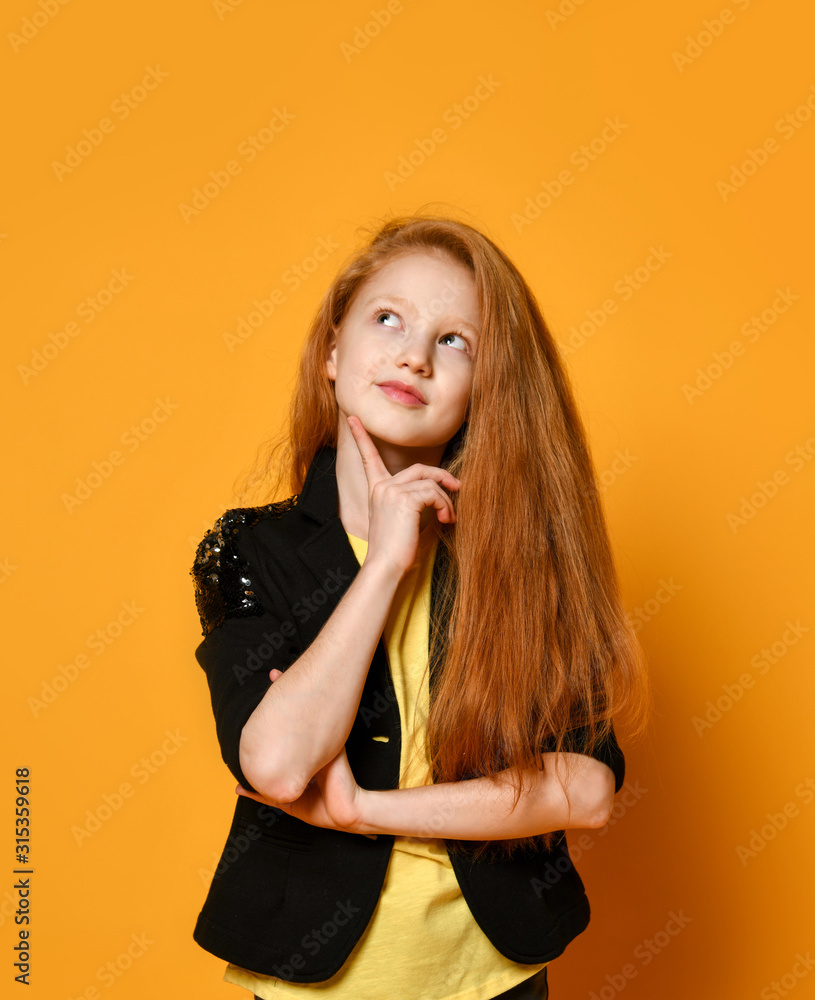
247,631
607,750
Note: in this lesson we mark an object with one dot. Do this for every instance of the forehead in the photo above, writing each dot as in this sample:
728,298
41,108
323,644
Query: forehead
403,266
434,285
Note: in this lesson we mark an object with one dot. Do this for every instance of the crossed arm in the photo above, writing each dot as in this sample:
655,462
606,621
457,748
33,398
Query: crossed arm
475,809
482,808
579,795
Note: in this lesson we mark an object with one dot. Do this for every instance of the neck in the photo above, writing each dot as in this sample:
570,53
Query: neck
352,483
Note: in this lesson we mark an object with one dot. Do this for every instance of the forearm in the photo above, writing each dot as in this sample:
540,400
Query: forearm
305,717
482,808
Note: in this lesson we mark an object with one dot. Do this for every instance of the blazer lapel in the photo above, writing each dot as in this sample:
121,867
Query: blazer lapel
328,548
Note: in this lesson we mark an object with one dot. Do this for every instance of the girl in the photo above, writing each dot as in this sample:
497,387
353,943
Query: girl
414,660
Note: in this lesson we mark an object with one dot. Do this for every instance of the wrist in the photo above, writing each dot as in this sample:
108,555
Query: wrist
383,572
366,813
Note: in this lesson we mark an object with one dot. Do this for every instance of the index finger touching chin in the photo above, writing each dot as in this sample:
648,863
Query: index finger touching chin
371,459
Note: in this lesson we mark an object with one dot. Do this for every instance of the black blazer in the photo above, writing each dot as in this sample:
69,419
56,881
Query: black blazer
289,899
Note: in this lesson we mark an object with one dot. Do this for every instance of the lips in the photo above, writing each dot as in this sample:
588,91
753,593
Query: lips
402,389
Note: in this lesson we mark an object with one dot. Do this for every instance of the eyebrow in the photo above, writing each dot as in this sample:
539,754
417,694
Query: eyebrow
404,302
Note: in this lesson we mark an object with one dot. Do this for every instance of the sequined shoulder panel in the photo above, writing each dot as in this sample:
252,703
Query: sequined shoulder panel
223,583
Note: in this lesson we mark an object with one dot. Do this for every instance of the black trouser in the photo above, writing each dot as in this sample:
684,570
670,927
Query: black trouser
534,988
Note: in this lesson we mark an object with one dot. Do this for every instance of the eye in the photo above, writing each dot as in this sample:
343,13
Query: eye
460,337
383,312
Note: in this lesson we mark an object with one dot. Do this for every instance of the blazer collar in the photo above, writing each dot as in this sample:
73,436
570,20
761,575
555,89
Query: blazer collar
319,500
319,497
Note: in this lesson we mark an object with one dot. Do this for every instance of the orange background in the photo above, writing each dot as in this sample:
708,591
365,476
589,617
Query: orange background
709,592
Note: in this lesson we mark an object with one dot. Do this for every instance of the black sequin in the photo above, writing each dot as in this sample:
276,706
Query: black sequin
223,586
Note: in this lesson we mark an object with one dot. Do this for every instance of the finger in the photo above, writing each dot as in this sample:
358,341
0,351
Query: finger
375,468
422,473
249,795
431,495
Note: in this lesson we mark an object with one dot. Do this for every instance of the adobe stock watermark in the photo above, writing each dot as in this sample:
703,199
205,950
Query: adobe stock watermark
454,117
644,953
141,772
238,845
132,439
109,973
293,277
759,837
733,692
620,464
10,906
258,658
560,14
712,28
97,642
224,7
624,288
6,569
582,158
249,149
723,361
87,310
645,613
380,704
395,346
786,126
314,940
458,965
778,988
33,24
122,107
365,33
432,825
207,526
553,871
797,458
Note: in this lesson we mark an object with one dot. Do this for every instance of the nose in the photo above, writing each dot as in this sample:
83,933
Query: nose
413,350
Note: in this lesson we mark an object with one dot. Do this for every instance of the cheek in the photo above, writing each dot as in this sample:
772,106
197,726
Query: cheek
354,374
379,353
363,364
464,385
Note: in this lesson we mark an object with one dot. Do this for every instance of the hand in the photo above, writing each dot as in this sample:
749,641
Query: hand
400,506
332,799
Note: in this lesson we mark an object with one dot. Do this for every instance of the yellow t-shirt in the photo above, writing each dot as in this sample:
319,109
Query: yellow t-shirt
422,941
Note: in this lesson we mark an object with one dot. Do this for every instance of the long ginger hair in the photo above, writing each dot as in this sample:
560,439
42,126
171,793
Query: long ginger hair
535,638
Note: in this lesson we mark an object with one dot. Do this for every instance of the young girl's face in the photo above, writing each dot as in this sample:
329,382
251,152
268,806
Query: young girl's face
416,322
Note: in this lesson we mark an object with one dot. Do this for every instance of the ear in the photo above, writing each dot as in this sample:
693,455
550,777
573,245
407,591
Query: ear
331,356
